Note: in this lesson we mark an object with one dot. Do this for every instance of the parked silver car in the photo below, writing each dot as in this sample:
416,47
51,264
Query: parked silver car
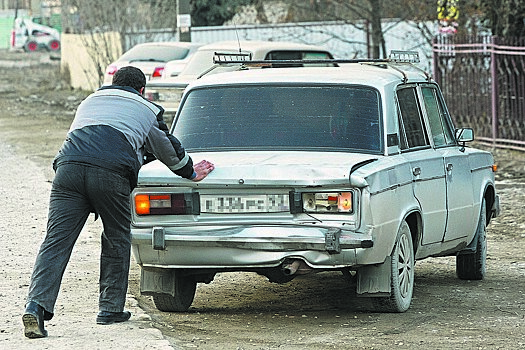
152,57
168,91
356,168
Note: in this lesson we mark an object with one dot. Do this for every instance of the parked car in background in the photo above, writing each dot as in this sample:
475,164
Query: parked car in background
151,58
168,90
356,168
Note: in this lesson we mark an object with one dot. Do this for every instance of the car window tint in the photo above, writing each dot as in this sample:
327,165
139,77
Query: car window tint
284,117
411,118
440,129
161,53
298,55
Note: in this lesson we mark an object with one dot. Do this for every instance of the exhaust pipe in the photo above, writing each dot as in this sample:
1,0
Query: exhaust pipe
296,266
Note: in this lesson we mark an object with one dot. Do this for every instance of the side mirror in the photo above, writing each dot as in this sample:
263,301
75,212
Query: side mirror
464,135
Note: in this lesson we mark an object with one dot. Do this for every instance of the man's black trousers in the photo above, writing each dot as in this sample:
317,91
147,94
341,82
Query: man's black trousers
77,191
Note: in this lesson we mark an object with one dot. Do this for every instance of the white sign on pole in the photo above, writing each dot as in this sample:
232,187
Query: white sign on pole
184,21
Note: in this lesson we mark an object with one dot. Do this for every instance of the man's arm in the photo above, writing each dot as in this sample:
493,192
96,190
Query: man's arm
188,171
170,152
168,149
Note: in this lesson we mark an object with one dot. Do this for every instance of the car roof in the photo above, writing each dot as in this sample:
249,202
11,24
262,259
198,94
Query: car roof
163,50
169,43
376,75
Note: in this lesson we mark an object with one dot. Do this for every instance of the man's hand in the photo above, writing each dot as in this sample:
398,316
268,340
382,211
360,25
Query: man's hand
202,169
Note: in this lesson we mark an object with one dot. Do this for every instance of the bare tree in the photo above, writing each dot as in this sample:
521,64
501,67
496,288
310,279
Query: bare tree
370,12
505,17
365,15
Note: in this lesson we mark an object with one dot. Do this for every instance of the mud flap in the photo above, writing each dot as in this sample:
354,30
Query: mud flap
374,280
154,281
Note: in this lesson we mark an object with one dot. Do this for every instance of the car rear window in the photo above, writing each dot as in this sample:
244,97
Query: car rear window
281,117
161,53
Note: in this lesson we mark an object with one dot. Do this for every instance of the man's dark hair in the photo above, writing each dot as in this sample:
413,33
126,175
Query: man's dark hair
130,76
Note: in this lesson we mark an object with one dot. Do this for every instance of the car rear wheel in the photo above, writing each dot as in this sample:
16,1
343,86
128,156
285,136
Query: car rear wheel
402,275
184,293
471,265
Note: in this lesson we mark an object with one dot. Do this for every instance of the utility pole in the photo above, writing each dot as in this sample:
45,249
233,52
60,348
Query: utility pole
184,20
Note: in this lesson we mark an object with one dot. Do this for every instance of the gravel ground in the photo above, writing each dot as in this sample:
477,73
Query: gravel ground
237,310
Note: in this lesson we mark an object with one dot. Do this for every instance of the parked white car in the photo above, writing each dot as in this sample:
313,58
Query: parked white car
356,168
168,91
152,57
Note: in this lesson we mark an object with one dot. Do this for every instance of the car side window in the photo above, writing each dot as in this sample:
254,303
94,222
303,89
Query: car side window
412,130
439,127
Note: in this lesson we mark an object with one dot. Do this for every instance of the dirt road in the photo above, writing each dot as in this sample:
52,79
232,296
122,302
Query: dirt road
245,311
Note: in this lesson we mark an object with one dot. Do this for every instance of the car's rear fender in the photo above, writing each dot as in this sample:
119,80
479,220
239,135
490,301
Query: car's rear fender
383,211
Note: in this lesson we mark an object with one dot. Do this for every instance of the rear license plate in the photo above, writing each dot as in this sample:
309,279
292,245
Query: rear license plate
170,96
273,203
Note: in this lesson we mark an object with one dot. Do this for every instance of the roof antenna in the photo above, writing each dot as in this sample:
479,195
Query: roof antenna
237,34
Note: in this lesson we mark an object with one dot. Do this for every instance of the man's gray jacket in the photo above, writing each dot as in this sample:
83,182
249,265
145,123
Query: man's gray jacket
114,127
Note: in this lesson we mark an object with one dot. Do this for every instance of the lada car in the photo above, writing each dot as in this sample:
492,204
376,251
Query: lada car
356,168
168,90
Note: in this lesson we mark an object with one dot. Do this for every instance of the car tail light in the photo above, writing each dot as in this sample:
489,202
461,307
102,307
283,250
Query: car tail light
112,69
167,204
157,73
326,202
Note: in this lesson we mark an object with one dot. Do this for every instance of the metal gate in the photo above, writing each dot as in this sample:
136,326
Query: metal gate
483,81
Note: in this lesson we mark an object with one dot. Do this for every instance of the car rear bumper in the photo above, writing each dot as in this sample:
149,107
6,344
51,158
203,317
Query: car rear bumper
247,247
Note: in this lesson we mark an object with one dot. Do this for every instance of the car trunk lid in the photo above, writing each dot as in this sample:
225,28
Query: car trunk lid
263,168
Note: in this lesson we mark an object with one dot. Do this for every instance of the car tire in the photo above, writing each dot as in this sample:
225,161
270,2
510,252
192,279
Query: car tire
31,46
184,293
472,265
402,262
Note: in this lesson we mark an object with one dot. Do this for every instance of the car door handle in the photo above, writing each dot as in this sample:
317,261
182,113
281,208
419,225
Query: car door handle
449,167
416,171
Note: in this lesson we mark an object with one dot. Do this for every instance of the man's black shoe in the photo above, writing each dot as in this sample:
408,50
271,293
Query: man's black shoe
33,319
106,317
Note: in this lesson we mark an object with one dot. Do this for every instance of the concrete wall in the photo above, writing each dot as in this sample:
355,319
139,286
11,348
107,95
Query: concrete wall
84,57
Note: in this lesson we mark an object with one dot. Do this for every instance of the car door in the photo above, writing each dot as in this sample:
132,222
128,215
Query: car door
460,194
428,174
